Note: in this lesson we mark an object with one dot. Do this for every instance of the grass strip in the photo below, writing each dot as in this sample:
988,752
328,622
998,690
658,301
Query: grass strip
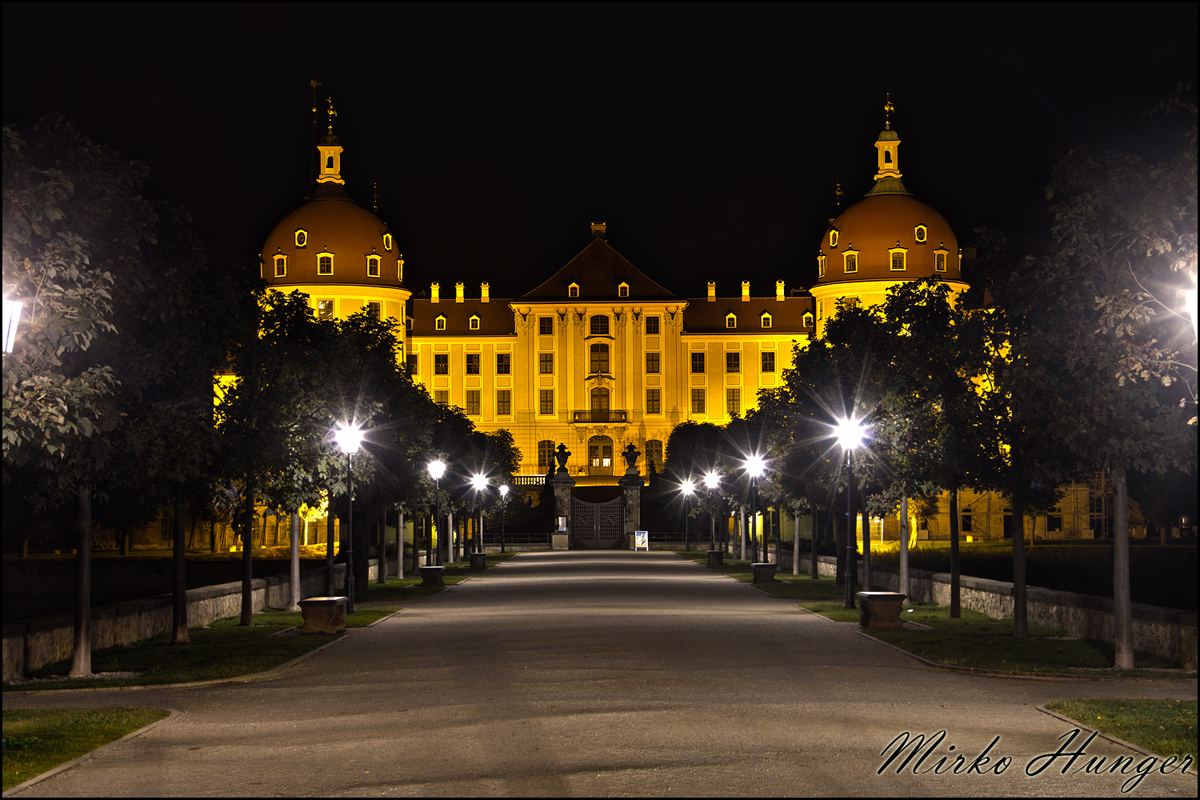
1165,727
41,739
973,640
225,649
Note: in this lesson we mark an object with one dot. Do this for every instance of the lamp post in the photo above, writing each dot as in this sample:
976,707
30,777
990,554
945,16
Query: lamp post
503,510
349,437
687,487
755,466
437,468
711,481
479,483
12,316
850,433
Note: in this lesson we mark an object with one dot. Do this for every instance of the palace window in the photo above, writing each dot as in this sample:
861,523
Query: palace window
411,363
472,408
472,363
623,290
439,324
387,241
301,237
654,454
598,359
651,326
372,266
374,309
697,401
833,237
850,261
920,233
654,401
546,456
503,363
653,363
441,363
731,320
939,260
733,402
325,264
573,290
698,363
546,326
324,309
821,266
504,402
599,325
546,401
473,323
897,258
733,362
768,362
545,363
441,397
807,319
280,266
765,320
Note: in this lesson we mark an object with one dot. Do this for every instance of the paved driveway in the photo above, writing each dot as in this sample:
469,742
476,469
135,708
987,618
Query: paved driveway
605,673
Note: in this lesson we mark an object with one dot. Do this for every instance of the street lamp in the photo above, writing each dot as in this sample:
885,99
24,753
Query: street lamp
348,438
437,468
479,483
503,509
688,486
712,480
755,466
850,434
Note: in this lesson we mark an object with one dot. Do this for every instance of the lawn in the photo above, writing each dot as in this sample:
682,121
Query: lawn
1166,727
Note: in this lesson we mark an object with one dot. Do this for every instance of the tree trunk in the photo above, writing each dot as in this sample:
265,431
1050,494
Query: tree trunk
796,542
247,553
955,605
1020,610
294,563
179,620
904,529
813,572
81,656
1122,606
400,543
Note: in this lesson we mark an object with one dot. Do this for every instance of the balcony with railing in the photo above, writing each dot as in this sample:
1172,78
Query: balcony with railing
594,417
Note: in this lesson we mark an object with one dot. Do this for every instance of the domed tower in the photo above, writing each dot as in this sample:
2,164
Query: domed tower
887,237
341,255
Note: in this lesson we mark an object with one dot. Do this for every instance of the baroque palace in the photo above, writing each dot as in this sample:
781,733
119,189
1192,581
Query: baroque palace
599,355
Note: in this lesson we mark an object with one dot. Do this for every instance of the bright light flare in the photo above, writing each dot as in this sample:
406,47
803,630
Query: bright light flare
503,491
688,487
1189,304
437,469
850,433
479,482
348,438
755,466
712,480
12,315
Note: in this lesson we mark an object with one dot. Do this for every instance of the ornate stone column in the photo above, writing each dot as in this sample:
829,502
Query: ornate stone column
561,482
631,485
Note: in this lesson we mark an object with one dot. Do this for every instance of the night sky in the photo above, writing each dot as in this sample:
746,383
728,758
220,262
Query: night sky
709,138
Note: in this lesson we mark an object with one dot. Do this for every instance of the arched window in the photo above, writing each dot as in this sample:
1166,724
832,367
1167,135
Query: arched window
850,260
599,360
600,455
280,266
325,264
600,397
372,266
599,325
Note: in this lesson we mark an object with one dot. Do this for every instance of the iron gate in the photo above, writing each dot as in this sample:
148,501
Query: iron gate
597,526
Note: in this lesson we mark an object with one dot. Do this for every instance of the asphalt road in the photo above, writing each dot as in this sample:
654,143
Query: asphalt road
610,673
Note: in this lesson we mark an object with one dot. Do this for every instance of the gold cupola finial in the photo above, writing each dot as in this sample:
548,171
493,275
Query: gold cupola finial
332,113
330,154
888,108
837,195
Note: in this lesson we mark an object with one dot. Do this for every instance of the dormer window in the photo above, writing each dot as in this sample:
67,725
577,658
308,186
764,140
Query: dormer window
896,257
325,264
280,266
833,238
439,324
623,290
473,323
921,233
765,320
372,266
301,237
821,266
939,259
808,319
731,320
387,241
850,261
573,290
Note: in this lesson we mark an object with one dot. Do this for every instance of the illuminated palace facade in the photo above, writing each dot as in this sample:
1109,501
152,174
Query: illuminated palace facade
599,355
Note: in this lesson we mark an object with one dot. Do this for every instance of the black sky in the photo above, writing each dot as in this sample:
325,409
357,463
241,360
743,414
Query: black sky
708,137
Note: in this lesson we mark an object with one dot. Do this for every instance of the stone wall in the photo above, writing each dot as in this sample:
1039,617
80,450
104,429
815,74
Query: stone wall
32,644
1163,631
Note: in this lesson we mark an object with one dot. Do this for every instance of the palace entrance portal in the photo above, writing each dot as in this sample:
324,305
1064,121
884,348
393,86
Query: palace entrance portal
597,526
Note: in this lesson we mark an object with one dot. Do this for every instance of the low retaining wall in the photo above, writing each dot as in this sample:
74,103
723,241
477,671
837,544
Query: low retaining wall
1165,632
34,643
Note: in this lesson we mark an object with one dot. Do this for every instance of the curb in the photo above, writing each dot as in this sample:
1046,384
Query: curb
64,767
